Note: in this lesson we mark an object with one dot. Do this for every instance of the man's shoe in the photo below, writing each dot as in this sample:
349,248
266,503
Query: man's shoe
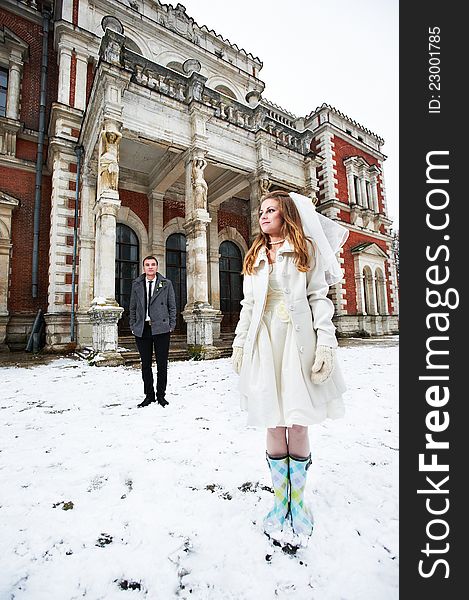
162,402
146,402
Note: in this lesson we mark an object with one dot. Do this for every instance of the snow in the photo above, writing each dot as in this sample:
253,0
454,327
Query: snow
157,505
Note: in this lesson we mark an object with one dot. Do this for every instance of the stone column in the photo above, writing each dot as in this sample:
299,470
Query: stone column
198,313
13,98
86,238
360,287
374,195
259,186
259,180
105,312
363,192
155,229
351,187
106,211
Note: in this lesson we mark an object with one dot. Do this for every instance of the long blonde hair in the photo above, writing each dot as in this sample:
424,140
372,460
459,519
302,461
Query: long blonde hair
292,229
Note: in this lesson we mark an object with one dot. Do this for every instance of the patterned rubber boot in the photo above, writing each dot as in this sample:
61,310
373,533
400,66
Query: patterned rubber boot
275,519
301,516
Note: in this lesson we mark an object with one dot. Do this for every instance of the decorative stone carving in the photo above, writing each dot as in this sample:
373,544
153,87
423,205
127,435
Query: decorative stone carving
191,65
109,158
199,184
111,47
253,97
264,185
354,212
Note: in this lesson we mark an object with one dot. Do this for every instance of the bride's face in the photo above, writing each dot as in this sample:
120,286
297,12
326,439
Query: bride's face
270,217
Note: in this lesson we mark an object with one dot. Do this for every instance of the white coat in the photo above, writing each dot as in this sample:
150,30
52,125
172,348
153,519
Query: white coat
310,312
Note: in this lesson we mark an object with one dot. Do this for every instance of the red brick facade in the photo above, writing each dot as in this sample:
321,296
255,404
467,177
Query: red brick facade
137,202
236,220
172,209
21,185
31,34
344,149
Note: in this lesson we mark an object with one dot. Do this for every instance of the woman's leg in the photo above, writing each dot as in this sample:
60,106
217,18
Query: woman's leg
298,441
277,441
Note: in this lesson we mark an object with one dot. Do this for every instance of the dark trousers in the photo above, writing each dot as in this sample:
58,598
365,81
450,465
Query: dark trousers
145,345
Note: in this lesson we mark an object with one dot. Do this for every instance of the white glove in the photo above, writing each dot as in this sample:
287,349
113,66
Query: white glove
323,365
237,358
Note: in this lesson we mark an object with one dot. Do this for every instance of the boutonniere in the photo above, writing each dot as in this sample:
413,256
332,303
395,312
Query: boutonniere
160,285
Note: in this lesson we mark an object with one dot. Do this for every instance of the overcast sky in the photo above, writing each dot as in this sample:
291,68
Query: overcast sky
341,52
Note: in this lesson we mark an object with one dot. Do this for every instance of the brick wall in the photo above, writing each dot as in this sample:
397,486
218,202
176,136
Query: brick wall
137,202
21,185
27,150
344,149
89,80
235,213
172,209
31,34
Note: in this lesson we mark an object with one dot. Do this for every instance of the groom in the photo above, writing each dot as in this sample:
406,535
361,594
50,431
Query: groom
152,319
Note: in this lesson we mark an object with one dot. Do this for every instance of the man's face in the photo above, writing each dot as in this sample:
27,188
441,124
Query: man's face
150,268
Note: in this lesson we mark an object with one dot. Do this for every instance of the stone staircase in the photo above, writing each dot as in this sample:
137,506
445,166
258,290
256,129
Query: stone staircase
177,349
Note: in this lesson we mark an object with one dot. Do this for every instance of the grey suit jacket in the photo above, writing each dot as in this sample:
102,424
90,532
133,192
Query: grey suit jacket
162,310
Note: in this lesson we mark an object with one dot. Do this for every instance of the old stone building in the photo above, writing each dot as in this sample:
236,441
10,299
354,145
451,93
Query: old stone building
127,129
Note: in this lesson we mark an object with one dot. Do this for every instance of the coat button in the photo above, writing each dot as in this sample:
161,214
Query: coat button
280,258
291,307
286,290
302,349
297,328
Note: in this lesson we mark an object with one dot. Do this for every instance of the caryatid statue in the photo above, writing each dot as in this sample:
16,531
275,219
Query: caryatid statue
199,185
264,185
109,159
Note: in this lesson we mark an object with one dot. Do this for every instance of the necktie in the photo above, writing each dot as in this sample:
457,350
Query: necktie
149,297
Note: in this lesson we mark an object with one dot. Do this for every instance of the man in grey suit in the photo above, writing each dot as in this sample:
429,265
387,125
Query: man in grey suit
152,319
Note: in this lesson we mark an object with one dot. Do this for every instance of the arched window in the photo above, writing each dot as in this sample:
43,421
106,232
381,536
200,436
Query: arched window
127,269
226,91
176,272
380,284
231,285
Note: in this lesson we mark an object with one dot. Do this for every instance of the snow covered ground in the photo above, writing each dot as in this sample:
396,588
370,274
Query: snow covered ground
102,501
